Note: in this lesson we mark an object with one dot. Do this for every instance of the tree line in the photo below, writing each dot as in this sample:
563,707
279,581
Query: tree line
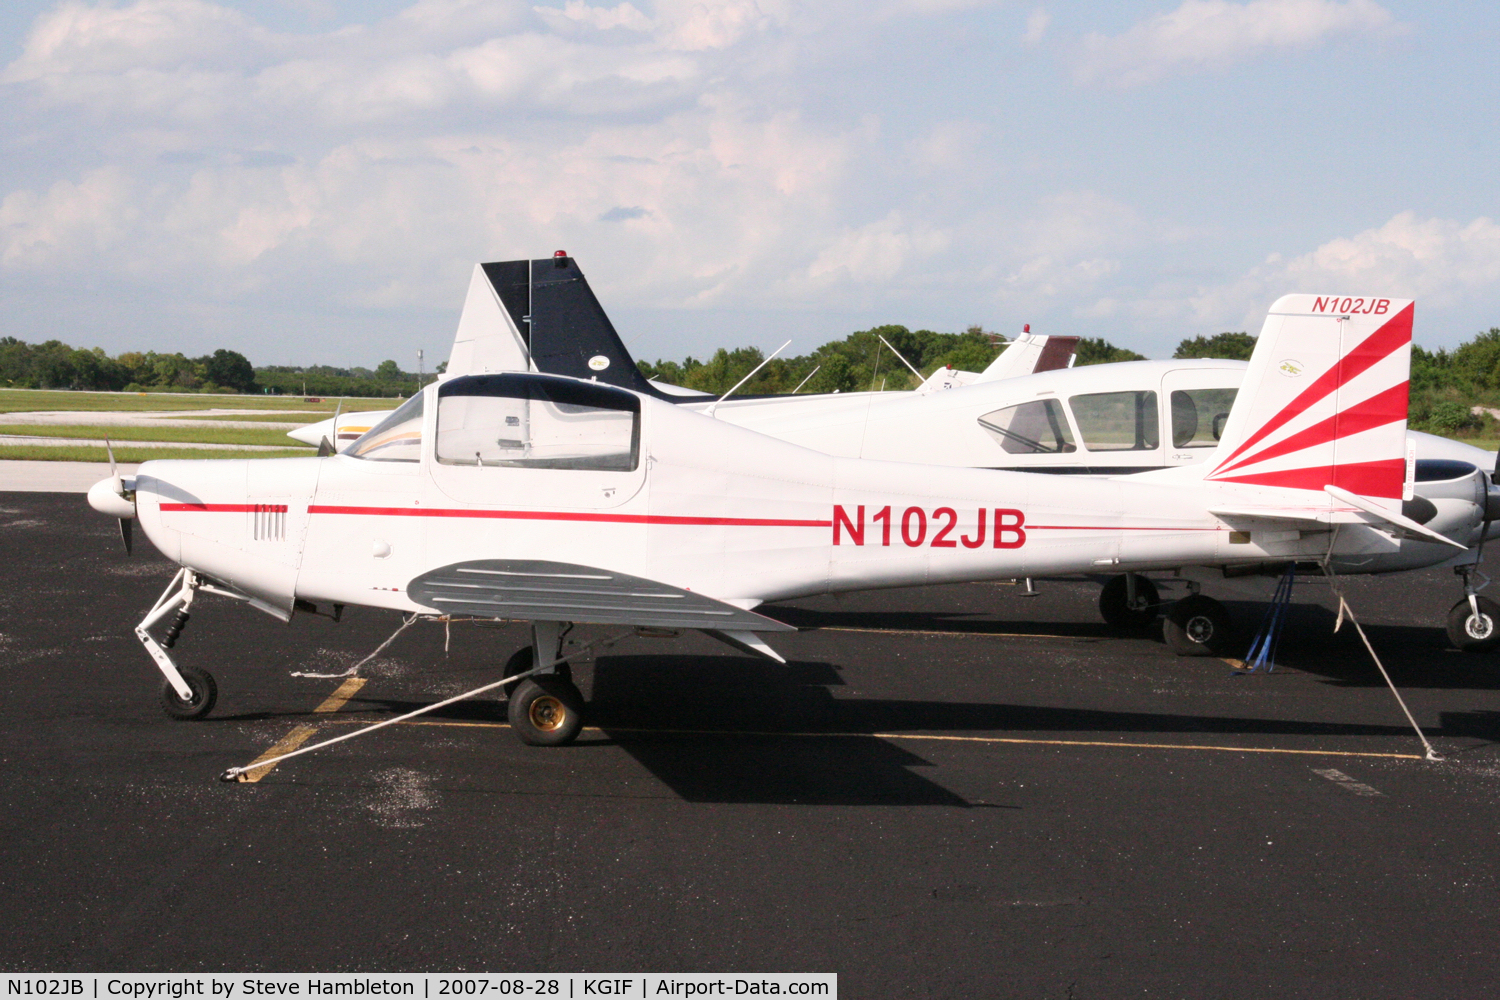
55,365
1446,386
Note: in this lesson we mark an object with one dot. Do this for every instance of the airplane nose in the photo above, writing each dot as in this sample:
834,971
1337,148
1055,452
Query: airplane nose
108,496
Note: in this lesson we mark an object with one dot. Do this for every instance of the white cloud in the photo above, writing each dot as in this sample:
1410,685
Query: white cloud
66,223
160,35
1036,26
877,252
1439,262
577,14
1209,34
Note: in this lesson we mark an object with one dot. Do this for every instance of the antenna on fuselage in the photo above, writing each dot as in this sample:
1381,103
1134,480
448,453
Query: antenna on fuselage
712,406
897,353
815,371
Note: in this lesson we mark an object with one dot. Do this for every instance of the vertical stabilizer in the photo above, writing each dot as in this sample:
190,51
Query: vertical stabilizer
564,327
1324,400
487,338
1029,354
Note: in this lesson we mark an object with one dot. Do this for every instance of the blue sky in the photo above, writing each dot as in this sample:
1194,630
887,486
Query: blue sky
311,181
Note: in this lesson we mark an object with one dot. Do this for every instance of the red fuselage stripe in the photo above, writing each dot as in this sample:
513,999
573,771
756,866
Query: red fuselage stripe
547,515
224,508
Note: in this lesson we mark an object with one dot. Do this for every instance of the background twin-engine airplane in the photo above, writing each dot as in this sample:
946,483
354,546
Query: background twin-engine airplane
552,499
1028,411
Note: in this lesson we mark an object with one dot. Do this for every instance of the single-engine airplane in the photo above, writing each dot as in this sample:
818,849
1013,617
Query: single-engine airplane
1029,411
557,500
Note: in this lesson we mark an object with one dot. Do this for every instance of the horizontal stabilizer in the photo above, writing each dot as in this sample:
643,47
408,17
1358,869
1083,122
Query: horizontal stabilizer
538,590
1288,517
1404,525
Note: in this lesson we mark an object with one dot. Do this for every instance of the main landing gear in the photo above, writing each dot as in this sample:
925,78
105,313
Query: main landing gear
545,709
1195,625
1129,601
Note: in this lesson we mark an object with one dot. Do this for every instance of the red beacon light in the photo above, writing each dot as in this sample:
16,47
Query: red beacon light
560,258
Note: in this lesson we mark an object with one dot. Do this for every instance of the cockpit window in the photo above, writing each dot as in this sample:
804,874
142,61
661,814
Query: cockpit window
528,421
397,438
1117,421
1035,428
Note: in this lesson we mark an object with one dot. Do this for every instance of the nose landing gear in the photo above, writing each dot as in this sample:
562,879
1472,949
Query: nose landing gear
186,692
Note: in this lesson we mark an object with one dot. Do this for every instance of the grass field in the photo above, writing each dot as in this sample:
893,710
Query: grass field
23,400
86,453
116,433
289,417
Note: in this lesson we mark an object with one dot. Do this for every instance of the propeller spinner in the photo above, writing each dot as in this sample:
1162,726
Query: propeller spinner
115,497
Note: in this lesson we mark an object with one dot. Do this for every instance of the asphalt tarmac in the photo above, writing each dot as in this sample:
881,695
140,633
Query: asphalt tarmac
950,791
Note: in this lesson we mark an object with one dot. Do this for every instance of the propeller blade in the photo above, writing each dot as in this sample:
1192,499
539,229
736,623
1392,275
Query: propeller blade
127,533
325,447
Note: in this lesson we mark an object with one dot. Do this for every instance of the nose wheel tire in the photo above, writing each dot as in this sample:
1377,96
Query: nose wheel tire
1116,608
1198,626
1474,634
546,710
205,693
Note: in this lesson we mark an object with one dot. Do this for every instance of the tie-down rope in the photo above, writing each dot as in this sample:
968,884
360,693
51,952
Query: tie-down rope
1345,609
406,623
234,772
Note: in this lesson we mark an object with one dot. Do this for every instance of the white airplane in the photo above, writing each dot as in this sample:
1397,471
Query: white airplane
556,500
1028,411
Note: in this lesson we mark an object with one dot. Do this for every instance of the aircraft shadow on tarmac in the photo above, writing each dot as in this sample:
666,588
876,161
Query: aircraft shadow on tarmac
735,729
1416,656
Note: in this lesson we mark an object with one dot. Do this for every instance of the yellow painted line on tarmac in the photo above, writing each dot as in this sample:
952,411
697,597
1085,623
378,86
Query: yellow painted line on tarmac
345,691
301,734
931,737
286,744
981,635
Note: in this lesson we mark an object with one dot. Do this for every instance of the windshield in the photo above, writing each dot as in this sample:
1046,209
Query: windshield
397,438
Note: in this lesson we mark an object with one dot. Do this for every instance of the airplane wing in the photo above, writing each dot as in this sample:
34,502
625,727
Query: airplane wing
541,590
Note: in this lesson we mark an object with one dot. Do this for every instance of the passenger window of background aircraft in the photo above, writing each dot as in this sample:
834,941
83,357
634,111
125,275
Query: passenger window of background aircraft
1117,421
397,438
1198,416
513,421
1035,428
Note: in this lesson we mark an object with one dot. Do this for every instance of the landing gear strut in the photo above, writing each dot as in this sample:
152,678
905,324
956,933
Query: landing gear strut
1474,622
545,709
186,692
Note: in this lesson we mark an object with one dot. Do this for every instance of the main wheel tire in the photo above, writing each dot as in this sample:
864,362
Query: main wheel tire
520,661
1198,626
1471,634
205,693
1115,607
546,710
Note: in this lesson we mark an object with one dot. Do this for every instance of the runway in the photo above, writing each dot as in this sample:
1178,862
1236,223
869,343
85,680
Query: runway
946,792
